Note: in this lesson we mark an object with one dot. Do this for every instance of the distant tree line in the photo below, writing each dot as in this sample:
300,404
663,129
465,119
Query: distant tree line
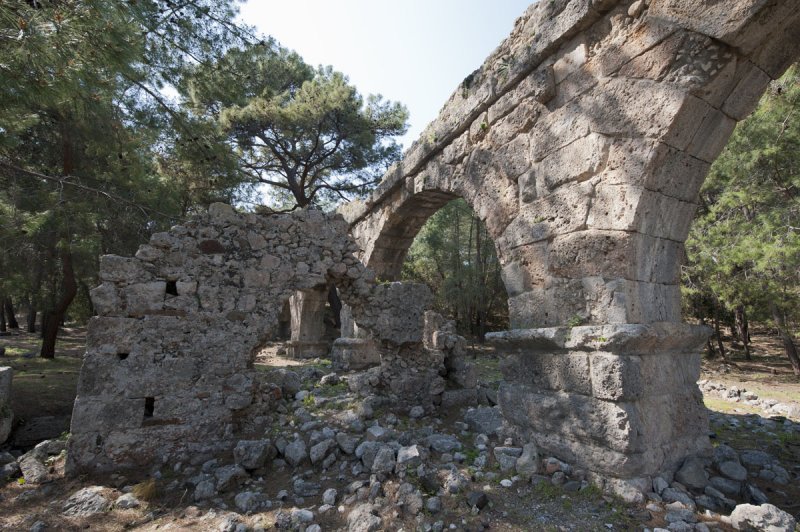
744,247
454,255
119,119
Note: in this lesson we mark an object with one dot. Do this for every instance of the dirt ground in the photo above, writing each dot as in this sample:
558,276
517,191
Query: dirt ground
47,387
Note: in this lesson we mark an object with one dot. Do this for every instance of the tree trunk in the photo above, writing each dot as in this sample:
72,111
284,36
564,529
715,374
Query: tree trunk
3,328
788,343
52,318
742,329
9,308
718,333
31,317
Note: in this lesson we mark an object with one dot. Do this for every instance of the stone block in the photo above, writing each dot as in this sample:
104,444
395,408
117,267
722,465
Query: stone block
613,254
144,298
354,354
106,300
563,211
616,377
582,419
116,269
575,162
711,137
561,372
655,166
633,208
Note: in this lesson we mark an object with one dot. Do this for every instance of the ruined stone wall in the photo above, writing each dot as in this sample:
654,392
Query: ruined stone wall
582,143
168,368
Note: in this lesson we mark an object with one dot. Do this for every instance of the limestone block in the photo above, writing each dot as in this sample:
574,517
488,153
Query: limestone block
730,21
526,268
106,413
563,211
656,62
632,107
556,130
513,158
613,254
550,24
615,426
118,269
539,86
519,120
655,166
751,84
577,83
633,208
106,300
144,298
712,136
782,47
496,204
111,334
562,372
435,176
543,307
575,162
569,59
616,377
354,354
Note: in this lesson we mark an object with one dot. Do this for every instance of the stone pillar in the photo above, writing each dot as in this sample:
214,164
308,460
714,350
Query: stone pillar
618,400
355,350
6,415
308,324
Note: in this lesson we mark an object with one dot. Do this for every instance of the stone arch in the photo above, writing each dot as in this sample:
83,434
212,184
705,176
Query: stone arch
168,370
583,141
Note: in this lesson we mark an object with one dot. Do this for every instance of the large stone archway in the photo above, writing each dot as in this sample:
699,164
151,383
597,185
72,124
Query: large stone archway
582,142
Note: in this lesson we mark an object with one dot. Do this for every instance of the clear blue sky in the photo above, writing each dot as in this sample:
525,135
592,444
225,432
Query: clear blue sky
412,51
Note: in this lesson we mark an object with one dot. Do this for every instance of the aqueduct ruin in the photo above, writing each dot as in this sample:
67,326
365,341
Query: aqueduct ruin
582,142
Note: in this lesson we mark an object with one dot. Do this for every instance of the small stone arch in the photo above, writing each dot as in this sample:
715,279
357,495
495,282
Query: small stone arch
168,370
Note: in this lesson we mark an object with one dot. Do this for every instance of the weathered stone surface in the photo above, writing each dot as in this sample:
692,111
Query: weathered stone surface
33,470
296,452
86,502
582,143
252,454
361,519
692,474
763,518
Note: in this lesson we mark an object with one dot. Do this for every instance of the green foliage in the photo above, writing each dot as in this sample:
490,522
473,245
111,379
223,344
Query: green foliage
744,247
303,131
454,255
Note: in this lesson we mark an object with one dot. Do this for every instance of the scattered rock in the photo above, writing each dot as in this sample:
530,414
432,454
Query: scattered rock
296,453
127,501
766,518
733,470
484,419
87,501
32,469
253,454
361,519
477,499
693,474
250,501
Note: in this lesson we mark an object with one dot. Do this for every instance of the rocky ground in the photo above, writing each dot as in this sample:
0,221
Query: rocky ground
334,461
